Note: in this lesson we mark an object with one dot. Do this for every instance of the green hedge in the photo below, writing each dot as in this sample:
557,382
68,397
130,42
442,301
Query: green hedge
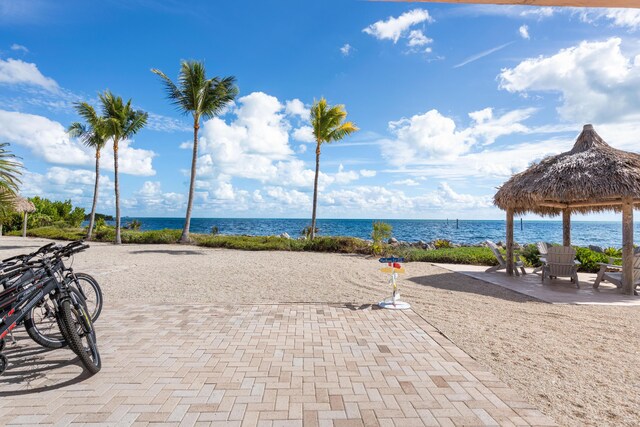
463,255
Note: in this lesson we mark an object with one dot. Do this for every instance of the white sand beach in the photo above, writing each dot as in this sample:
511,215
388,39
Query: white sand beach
578,364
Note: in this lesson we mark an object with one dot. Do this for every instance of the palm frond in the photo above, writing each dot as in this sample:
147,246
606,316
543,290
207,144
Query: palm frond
328,122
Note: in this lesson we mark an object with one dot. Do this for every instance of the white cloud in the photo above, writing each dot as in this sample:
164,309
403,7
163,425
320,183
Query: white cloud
345,177
596,80
367,173
431,135
303,134
151,198
295,107
19,48
417,38
538,12
346,49
49,141
301,149
16,72
394,28
166,124
524,32
43,137
291,198
627,18
405,182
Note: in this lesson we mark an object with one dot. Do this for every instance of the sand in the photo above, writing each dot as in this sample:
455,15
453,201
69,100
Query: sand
578,364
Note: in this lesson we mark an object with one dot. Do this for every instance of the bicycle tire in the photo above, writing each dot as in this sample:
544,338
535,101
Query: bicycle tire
47,337
95,294
78,328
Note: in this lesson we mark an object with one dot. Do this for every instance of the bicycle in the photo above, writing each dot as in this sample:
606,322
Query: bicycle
73,319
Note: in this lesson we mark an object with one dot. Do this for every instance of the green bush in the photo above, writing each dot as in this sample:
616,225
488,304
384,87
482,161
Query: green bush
51,232
589,259
381,232
463,255
531,255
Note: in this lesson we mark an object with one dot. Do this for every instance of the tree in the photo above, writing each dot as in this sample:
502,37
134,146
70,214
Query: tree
328,126
93,135
199,96
121,122
10,171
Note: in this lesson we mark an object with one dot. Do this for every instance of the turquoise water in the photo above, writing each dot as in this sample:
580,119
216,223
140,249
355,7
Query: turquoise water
469,232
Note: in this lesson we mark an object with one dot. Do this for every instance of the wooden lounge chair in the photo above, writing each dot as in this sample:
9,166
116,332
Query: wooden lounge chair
502,263
560,262
543,248
613,273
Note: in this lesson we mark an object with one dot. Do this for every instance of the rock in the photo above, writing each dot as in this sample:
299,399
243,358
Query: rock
285,235
393,240
430,247
420,243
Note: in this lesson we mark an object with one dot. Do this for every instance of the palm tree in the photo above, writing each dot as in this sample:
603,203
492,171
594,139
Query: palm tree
93,135
121,122
10,171
199,96
328,126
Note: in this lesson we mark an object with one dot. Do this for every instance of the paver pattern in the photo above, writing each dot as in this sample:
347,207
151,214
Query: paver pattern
271,365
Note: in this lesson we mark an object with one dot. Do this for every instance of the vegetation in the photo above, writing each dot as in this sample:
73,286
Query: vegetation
328,126
589,259
199,96
10,171
121,122
442,244
134,224
464,255
306,232
93,134
381,232
99,216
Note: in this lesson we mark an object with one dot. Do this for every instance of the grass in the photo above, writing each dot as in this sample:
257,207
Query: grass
448,255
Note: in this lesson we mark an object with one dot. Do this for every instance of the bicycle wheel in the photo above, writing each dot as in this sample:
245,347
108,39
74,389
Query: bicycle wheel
91,292
82,338
43,325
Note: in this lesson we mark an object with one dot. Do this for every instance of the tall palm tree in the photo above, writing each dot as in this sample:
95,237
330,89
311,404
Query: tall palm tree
10,171
199,96
121,122
328,126
93,135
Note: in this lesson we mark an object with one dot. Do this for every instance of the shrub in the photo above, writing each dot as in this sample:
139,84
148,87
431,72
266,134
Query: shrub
214,230
381,232
306,232
589,259
51,232
133,225
531,255
463,255
442,244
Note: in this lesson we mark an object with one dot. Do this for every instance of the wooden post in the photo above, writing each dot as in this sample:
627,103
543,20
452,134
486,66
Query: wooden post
627,245
566,227
24,224
510,242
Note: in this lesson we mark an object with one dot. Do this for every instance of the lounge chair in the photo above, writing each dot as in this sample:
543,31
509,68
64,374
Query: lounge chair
560,262
543,248
613,273
502,263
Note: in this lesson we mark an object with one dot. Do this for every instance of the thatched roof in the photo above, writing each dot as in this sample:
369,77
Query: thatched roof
20,204
591,177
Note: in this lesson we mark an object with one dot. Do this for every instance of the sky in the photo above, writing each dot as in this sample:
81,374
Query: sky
451,100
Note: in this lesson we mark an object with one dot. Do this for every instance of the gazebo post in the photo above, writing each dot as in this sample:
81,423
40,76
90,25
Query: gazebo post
566,227
627,245
510,241
24,224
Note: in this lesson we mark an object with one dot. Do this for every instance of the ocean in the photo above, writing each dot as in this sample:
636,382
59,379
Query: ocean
584,233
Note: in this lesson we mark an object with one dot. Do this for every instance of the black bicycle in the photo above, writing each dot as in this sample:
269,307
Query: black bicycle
41,322
68,305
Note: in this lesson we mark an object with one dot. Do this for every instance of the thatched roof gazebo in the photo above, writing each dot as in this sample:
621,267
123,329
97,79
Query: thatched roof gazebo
591,177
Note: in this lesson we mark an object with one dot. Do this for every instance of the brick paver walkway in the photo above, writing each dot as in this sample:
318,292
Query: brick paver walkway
280,365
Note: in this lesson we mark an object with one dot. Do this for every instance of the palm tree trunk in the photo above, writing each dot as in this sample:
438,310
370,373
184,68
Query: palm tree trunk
95,196
117,186
187,220
315,193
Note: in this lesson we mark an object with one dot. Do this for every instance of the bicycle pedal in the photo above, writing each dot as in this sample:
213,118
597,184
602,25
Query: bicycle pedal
4,363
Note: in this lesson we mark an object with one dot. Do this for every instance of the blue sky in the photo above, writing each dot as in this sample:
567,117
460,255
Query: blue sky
451,100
